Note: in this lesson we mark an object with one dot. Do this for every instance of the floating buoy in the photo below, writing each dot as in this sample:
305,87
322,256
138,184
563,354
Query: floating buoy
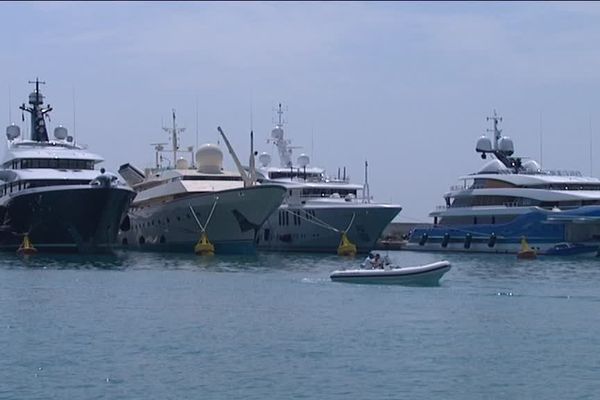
26,248
204,247
346,247
526,252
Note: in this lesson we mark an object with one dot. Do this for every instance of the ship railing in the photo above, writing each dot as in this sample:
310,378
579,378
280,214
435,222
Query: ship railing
463,187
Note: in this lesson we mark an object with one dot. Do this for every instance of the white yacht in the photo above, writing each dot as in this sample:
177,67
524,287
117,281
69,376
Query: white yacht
51,193
557,212
178,202
317,208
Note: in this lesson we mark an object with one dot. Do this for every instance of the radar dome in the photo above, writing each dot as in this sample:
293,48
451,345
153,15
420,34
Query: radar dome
531,166
264,159
209,159
13,131
493,167
277,133
505,145
36,98
303,160
60,132
484,145
181,163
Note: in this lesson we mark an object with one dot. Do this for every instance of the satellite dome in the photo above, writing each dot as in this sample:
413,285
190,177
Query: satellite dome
493,167
13,131
483,145
209,159
531,166
505,145
181,163
264,159
277,133
303,160
60,132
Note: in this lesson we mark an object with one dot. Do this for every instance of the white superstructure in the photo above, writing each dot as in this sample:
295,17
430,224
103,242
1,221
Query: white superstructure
176,203
317,208
51,191
510,198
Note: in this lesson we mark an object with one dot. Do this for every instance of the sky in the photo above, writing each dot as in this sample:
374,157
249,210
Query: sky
406,86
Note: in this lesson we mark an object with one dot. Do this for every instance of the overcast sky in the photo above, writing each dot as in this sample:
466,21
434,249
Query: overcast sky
405,85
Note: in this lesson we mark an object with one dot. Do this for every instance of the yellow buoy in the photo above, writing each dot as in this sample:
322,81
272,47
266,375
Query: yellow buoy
204,247
26,248
346,247
526,251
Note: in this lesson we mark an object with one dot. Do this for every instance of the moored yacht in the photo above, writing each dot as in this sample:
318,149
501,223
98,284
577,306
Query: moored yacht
511,198
50,193
178,202
317,208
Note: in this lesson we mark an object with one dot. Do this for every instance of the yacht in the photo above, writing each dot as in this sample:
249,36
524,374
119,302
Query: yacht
178,202
51,195
318,209
510,199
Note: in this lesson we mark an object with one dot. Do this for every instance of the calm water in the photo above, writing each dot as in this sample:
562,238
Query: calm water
140,326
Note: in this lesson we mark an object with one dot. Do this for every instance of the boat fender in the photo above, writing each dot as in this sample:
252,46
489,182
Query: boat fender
423,239
468,240
445,240
492,241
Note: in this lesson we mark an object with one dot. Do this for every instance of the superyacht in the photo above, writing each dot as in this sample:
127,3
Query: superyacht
318,209
179,202
51,195
513,198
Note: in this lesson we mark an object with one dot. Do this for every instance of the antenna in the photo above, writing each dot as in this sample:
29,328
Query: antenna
312,141
196,126
541,142
497,132
74,116
9,106
591,152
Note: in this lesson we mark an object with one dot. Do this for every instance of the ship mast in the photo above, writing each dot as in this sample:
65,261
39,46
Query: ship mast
39,133
496,132
278,140
174,132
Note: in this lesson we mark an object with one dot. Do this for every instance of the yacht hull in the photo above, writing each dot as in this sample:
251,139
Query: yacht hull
70,218
308,228
546,232
237,215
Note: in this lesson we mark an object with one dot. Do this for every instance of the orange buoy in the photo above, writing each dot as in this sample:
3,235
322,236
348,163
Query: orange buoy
204,247
526,252
346,247
26,248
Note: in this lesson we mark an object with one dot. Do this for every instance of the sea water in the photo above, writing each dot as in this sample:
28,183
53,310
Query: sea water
273,326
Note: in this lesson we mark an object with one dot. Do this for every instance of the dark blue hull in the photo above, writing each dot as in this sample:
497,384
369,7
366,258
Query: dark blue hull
74,219
543,229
